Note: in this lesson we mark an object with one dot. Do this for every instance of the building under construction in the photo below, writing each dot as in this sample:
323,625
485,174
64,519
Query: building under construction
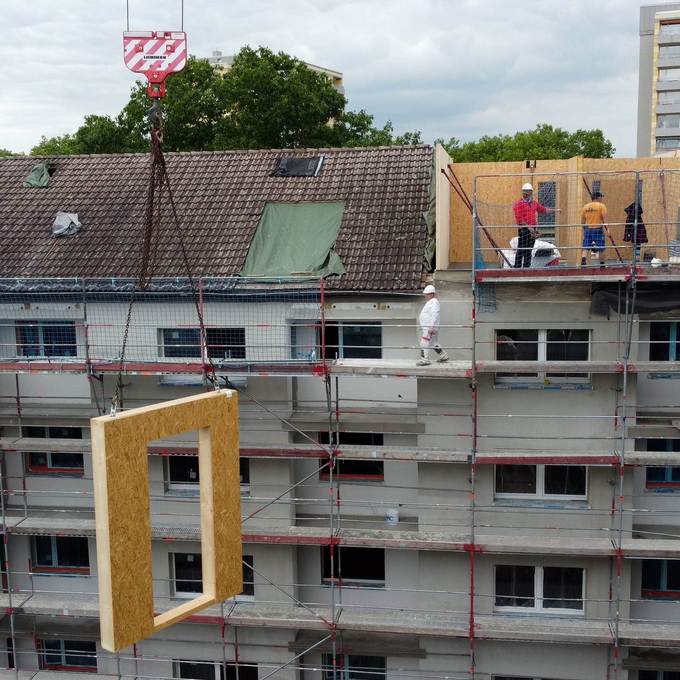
509,513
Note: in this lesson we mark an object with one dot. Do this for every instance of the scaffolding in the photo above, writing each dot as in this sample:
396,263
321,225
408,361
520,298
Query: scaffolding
289,324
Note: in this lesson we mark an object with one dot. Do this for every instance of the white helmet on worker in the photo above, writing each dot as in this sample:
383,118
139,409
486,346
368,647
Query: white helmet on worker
527,187
429,290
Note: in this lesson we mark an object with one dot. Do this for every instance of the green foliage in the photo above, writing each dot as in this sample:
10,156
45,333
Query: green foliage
544,142
276,101
7,152
62,145
356,128
265,100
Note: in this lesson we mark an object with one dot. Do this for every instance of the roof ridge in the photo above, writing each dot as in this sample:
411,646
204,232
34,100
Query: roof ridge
219,152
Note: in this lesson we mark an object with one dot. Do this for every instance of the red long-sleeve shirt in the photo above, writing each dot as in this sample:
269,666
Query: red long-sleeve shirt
526,212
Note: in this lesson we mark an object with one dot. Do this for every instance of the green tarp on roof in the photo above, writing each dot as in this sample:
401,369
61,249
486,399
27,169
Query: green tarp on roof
39,177
296,238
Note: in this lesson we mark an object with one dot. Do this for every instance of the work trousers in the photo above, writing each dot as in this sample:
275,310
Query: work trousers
525,246
431,343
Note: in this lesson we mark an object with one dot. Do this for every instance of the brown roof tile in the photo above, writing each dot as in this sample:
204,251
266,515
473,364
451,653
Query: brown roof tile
219,197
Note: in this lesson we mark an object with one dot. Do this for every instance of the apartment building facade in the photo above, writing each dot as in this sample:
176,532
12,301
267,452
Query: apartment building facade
507,514
659,80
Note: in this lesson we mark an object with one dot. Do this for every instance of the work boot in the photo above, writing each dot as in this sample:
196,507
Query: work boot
443,356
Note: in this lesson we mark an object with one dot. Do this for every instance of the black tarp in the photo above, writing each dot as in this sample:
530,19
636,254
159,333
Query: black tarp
649,299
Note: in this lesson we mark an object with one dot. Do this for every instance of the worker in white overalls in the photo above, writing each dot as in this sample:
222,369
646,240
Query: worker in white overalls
429,320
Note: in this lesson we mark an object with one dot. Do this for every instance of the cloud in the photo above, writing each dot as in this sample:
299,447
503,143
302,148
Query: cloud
462,68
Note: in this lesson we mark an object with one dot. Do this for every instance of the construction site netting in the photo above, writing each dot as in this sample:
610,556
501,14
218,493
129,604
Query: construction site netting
643,210
75,322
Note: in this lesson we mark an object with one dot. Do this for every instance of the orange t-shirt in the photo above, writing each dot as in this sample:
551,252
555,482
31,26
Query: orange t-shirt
594,214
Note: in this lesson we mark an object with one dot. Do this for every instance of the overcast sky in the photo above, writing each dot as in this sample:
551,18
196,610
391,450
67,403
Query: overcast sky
459,68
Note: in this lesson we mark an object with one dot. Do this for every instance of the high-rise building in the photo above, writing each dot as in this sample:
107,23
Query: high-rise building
659,79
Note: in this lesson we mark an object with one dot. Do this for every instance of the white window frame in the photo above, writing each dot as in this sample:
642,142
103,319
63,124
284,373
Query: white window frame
178,488
183,490
56,567
538,593
43,652
540,484
542,377
202,662
41,324
344,667
342,323
181,594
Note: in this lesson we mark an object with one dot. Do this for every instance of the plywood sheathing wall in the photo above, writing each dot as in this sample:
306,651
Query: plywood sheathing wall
571,196
123,524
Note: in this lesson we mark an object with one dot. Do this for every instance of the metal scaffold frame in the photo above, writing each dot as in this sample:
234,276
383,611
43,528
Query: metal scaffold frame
472,542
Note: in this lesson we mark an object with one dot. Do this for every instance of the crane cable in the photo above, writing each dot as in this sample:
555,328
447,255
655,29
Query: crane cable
159,182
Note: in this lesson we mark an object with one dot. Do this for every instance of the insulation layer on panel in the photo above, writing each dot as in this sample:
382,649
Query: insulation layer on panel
121,485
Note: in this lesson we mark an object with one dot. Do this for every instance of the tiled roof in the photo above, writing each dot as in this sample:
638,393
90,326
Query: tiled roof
219,197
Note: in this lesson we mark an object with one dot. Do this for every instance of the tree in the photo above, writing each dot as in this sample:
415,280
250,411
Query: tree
62,145
276,101
7,152
265,100
193,109
356,128
543,142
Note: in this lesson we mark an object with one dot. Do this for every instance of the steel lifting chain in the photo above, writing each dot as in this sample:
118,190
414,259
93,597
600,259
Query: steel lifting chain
158,183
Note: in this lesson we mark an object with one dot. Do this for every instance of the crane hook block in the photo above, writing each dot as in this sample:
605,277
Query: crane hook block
156,54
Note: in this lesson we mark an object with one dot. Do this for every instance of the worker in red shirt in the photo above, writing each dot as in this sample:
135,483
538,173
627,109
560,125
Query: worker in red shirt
526,217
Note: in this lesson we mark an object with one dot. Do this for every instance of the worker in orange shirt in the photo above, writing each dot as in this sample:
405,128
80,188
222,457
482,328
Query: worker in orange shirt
594,221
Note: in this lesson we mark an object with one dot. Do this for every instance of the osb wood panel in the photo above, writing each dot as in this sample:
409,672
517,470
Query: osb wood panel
123,525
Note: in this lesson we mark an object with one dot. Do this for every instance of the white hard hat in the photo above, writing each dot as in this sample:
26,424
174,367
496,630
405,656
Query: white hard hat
656,262
527,187
429,289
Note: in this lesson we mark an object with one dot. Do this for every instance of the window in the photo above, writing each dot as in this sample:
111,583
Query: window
61,554
539,588
669,51
542,345
669,29
666,74
211,670
46,338
187,572
541,481
658,675
668,142
10,653
547,196
248,576
664,341
661,579
364,566
668,120
185,343
352,340
371,470
54,462
666,478
67,655
354,667
669,97
298,167
182,475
